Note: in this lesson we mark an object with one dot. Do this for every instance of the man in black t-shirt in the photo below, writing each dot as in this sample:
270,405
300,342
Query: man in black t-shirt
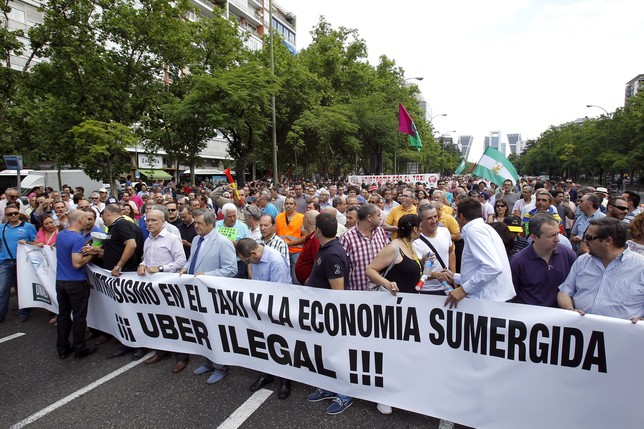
330,271
122,251
331,266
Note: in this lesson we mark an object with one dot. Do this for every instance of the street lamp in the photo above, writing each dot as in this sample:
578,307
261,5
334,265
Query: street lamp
396,149
599,107
435,116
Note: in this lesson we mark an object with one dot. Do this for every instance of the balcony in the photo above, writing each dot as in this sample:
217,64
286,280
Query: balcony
241,9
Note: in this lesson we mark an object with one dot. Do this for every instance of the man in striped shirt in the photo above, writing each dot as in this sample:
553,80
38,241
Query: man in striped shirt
270,238
362,244
609,280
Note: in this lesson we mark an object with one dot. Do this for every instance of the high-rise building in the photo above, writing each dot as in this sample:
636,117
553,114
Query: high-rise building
465,143
634,86
494,140
514,141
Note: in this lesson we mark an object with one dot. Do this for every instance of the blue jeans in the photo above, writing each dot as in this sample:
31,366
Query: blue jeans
7,280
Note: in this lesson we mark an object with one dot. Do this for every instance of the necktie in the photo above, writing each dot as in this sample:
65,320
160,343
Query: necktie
193,263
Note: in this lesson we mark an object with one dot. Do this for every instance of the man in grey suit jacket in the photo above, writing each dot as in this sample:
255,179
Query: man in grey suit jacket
211,254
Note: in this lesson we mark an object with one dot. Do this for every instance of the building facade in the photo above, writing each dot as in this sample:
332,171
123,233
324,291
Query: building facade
634,86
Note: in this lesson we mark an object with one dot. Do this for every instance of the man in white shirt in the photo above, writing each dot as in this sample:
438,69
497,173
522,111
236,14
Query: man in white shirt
485,269
440,253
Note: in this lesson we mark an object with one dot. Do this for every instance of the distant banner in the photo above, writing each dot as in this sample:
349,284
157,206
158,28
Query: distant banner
485,364
429,179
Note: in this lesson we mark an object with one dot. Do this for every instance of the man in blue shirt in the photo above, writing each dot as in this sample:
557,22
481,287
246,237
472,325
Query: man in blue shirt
13,231
266,264
72,288
609,279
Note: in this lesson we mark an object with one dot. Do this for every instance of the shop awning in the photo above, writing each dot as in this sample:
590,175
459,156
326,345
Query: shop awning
156,174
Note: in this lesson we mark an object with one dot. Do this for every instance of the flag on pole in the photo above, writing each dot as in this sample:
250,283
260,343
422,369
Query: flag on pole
495,167
460,167
406,126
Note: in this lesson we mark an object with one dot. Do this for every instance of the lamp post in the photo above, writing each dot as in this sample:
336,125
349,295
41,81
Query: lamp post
442,142
419,78
599,107
276,179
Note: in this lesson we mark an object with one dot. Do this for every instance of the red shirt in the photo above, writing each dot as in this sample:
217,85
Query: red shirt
304,264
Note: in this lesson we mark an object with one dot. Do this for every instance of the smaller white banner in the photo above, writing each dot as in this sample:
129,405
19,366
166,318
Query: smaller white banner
428,179
37,277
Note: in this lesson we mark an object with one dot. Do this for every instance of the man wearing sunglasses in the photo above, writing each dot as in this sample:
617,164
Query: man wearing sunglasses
609,279
11,195
12,231
617,207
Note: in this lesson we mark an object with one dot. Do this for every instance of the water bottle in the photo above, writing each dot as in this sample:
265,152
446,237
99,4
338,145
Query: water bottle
427,272
446,287
55,219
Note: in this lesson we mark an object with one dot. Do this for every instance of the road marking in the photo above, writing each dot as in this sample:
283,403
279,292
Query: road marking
245,410
445,424
80,392
11,337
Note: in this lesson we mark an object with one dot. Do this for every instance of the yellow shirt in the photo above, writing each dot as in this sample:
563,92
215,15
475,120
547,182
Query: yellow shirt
395,214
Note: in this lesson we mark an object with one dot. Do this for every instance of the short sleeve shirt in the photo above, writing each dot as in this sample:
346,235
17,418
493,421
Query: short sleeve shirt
330,263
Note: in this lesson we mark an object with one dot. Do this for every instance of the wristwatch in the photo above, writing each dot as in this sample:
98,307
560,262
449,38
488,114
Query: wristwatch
161,268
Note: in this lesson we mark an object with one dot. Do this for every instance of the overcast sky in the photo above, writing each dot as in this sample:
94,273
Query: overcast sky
515,66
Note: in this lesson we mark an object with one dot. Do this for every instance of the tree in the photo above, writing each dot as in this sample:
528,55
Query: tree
236,102
102,148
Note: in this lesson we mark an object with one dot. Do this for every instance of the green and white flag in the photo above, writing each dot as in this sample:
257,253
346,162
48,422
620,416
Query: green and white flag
495,167
460,167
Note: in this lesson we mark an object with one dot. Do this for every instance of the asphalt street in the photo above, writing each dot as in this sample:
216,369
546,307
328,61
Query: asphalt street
38,390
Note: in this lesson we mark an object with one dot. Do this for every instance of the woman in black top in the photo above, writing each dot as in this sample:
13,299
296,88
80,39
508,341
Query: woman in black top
407,268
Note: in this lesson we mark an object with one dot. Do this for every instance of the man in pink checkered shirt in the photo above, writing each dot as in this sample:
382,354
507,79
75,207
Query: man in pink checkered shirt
362,244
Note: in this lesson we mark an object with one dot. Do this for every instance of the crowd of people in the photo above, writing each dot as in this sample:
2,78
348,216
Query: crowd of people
554,244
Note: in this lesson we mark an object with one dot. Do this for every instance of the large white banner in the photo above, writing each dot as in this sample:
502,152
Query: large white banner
429,179
485,364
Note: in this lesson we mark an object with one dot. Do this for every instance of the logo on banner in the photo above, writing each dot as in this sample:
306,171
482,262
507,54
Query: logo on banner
38,260
40,293
361,365
125,331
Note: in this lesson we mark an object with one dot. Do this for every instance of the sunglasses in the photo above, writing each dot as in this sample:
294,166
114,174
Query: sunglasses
501,205
172,210
588,237
12,214
622,208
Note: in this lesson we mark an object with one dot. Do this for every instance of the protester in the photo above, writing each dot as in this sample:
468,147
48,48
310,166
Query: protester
405,267
330,271
72,288
211,254
269,265
14,230
539,269
485,269
608,280
162,252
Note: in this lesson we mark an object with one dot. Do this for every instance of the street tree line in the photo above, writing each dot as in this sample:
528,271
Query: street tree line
597,150
114,73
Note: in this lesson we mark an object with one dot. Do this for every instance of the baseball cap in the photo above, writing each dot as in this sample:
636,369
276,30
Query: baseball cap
103,190
251,200
513,223
112,200
373,188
